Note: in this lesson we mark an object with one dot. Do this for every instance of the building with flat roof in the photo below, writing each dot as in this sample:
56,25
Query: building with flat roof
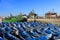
51,15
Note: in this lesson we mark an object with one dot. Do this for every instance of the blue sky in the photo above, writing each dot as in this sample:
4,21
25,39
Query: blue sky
40,6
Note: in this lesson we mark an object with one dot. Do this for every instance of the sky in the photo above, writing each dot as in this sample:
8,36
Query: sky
40,6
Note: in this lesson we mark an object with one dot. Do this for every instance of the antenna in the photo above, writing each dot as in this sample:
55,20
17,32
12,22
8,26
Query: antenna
53,10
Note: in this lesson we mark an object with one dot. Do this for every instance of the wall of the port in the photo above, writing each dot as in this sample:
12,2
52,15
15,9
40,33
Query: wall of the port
55,21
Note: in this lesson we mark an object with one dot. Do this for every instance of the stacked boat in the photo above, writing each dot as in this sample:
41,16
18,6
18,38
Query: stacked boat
29,31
